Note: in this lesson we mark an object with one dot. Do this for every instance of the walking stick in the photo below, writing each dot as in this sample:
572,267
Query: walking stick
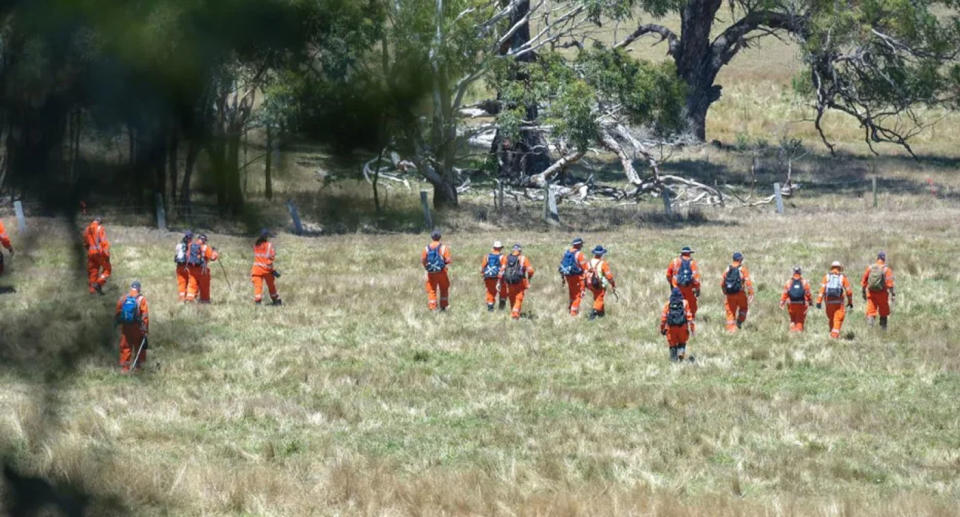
137,357
225,277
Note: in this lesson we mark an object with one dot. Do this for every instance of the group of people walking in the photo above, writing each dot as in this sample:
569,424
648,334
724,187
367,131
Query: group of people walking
192,258
506,278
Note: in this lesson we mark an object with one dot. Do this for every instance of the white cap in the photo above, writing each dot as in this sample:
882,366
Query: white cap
497,244
836,263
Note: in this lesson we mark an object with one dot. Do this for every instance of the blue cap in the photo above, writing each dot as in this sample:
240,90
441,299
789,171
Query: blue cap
737,256
676,295
686,250
517,247
599,250
187,235
882,256
265,232
578,242
135,286
435,235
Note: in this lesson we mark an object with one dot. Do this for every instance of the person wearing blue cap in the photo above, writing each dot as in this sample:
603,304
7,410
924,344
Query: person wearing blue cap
597,278
133,316
738,290
183,271
572,268
878,290
684,273
676,323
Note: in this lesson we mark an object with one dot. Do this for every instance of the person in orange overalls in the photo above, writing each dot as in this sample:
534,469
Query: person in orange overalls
877,288
835,285
262,271
737,287
796,298
183,271
5,241
436,259
133,316
98,255
517,279
599,269
491,269
199,257
686,278
572,271
677,324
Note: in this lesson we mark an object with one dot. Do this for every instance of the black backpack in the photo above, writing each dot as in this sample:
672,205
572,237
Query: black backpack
514,272
685,274
676,314
733,281
796,292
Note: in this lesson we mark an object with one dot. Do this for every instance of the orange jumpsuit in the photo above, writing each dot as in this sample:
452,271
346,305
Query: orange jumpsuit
737,304
689,291
183,272
575,285
516,291
439,282
677,335
98,255
262,271
878,302
835,309
494,286
200,274
132,334
599,293
797,310
5,241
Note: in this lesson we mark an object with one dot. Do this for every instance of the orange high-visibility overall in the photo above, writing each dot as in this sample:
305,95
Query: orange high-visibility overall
98,255
796,310
575,286
132,334
199,285
5,241
599,293
494,285
677,335
437,283
515,292
834,306
736,305
688,291
262,271
878,302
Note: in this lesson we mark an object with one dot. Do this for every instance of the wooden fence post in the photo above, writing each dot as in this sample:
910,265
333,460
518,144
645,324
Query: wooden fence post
427,219
21,222
873,180
667,208
779,197
297,226
550,214
161,213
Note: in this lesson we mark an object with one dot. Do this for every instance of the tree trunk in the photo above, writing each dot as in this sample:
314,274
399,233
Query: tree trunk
172,162
696,64
188,165
234,188
268,164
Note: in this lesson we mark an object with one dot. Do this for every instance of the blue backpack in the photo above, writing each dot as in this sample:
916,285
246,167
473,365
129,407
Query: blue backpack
130,310
435,261
493,266
569,265
195,255
685,274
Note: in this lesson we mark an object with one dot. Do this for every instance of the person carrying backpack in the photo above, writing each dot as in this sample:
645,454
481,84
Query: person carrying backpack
262,271
877,289
435,259
199,257
597,278
676,323
517,275
834,287
737,288
683,272
180,259
796,298
5,241
133,316
573,267
98,255
491,269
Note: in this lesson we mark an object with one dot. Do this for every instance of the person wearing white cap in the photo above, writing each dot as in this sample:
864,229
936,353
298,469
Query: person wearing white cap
491,268
834,287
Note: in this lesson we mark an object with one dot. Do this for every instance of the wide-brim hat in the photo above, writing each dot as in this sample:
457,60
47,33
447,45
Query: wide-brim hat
686,250
837,264
599,250
497,245
577,242
797,269
738,256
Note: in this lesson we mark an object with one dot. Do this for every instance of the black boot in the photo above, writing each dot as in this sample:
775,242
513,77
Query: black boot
503,304
681,352
277,301
600,314
98,288
489,307
883,322
673,354
593,315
